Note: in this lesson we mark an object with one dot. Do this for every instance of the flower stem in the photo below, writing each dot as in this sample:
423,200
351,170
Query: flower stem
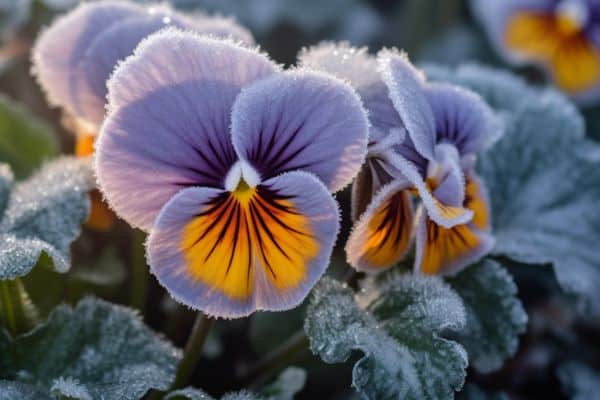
192,351
139,271
266,367
17,313
277,358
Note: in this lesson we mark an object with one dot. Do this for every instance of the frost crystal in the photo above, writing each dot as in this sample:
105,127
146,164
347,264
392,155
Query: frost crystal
96,350
495,316
43,214
400,333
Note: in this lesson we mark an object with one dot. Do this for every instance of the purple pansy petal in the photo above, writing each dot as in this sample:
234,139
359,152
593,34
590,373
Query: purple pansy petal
462,118
214,291
443,214
405,85
359,68
58,53
449,187
445,251
116,43
301,121
169,117
383,234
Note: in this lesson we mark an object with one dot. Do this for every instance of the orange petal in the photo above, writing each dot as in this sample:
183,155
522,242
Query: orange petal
383,234
476,200
445,251
84,145
101,217
557,44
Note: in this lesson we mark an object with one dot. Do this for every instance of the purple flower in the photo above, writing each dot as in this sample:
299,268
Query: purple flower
423,141
563,37
229,163
75,56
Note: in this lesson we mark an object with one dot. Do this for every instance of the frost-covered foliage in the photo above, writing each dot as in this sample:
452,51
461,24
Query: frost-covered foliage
42,214
399,326
495,316
96,350
543,178
287,385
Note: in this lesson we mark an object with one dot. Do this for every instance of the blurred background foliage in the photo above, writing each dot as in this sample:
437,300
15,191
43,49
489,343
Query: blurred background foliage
431,31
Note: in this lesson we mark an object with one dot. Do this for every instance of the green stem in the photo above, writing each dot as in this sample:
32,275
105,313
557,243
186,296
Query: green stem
192,351
9,318
139,271
266,367
278,358
17,313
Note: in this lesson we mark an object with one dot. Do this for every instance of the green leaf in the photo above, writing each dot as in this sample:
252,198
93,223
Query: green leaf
22,391
289,383
398,325
578,381
495,316
543,177
25,141
44,214
96,350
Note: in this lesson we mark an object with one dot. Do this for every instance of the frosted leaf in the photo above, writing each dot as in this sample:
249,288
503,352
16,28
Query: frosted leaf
96,350
578,381
25,141
44,214
543,178
473,392
70,388
400,331
188,393
495,316
288,384
23,391
242,395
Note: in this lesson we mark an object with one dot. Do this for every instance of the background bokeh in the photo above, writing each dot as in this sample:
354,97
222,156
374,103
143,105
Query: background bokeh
431,31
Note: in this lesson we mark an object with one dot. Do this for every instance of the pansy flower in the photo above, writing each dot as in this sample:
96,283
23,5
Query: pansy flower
229,163
562,36
423,142
75,56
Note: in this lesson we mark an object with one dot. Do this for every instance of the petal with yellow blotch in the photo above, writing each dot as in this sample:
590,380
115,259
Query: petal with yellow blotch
446,251
382,235
229,253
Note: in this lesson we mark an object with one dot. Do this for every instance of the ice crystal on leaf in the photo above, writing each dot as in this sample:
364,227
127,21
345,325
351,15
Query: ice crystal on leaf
96,350
401,333
42,214
495,316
